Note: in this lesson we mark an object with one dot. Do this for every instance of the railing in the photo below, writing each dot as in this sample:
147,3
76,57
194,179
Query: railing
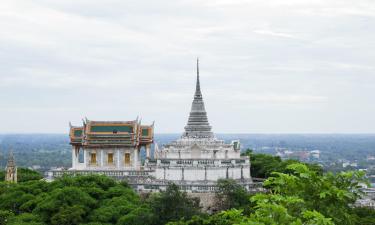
110,173
226,161
184,162
206,162
142,180
163,161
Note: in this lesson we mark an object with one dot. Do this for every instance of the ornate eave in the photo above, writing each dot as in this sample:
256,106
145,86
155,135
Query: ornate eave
97,134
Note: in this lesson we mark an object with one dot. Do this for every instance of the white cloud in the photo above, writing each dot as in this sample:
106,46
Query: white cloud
280,99
304,59
277,34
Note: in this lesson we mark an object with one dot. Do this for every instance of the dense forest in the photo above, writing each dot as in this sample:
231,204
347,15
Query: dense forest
296,194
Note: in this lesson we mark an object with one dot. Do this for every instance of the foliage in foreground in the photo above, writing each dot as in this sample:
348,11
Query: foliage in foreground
231,195
94,200
303,196
263,165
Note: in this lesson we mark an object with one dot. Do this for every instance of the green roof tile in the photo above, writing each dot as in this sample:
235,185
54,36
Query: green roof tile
113,129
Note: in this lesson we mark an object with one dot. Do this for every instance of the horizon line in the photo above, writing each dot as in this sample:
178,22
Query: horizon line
219,133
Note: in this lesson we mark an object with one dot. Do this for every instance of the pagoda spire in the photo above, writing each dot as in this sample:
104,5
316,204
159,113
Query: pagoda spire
11,169
198,92
11,159
197,125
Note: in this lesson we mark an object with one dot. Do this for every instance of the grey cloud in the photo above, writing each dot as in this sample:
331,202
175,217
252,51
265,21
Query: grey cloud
267,65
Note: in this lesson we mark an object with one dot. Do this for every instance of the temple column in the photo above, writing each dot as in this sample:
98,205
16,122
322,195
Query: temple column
78,163
101,157
148,151
85,158
135,164
118,158
74,157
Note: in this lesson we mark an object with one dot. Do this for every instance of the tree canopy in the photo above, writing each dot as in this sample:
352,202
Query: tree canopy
301,196
263,165
24,174
296,194
90,200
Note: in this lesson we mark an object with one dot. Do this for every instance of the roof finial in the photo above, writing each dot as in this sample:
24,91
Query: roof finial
197,66
198,86
11,158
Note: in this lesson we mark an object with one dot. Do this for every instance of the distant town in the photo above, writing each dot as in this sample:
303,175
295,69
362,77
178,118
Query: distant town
344,152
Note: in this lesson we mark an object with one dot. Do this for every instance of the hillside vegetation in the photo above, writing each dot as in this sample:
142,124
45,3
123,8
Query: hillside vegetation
297,194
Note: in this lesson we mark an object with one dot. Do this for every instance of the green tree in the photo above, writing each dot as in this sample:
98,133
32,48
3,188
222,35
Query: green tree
4,216
142,215
284,210
23,175
25,219
172,205
68,205
267,213
298,195
329,194
112,209
69,215
69,200
263,165
364,215
230,195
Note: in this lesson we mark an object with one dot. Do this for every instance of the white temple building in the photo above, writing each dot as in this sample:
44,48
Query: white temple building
198,155
109,145
195,161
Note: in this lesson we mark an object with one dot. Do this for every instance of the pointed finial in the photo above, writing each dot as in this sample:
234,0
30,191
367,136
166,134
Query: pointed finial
198,86
197,67
10,158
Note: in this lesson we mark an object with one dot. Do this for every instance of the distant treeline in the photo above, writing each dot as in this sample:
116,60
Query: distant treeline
53,150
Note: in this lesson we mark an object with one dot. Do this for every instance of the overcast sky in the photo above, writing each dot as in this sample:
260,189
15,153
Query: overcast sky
267,66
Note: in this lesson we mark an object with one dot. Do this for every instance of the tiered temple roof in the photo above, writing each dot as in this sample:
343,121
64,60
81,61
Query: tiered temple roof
198,141
11,162
111,134
198,126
